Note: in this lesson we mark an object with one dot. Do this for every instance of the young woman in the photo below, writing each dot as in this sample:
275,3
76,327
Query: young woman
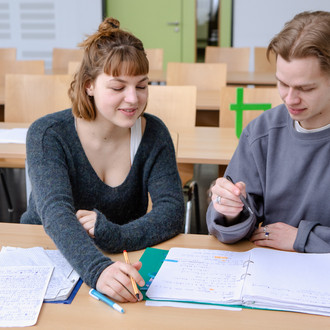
91,167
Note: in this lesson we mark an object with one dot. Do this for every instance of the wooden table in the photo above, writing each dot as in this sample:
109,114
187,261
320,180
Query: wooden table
16,153
87,313
251,78
206,145
199,145
12,155
12,150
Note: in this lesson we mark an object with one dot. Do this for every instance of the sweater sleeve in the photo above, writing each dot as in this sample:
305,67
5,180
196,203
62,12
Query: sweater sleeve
228,234
312,237
164,221
242,167
51,188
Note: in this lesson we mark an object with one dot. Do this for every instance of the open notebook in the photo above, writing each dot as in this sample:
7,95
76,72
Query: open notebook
259,278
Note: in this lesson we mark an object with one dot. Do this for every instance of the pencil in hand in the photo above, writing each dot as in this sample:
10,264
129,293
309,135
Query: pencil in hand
136,291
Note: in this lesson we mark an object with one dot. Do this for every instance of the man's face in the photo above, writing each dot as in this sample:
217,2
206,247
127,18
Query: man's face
305,90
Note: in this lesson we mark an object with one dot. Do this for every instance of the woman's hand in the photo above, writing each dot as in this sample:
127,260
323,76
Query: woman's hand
87,220
225,197
115,281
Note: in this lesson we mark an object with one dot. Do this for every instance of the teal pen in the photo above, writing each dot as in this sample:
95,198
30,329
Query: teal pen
99,296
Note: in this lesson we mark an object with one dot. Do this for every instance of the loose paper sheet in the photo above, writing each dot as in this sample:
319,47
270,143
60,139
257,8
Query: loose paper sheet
13,135
22,291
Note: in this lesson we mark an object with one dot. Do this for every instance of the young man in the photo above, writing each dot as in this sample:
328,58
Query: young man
281,165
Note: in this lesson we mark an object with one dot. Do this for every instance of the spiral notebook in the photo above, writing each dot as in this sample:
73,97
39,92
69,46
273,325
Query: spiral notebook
259,278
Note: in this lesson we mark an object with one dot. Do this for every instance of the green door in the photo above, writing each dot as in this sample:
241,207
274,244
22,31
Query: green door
167,24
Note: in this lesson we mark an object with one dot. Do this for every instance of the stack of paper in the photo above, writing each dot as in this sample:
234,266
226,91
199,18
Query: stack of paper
27,278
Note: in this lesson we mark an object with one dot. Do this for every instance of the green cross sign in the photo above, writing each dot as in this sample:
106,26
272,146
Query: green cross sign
239,107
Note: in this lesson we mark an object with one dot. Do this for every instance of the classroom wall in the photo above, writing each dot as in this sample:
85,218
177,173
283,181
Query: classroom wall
255,22
35,27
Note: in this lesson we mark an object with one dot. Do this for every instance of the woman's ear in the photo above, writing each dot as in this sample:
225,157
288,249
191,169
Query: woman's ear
89,89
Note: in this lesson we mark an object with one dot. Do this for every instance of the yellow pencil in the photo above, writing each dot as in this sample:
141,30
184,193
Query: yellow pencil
136,292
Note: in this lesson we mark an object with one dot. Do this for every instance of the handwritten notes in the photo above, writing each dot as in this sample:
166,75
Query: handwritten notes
63,278
200,275
27,278
22,291
259,278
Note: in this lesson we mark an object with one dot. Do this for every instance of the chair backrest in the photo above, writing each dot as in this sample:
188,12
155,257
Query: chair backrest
237,58
228,96
174,105
7,54
205,76
261,63
13,66
62,56
73,67
155,57
29,97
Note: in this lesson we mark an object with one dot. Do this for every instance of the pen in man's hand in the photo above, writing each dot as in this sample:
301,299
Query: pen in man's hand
99,296
241,197
136,291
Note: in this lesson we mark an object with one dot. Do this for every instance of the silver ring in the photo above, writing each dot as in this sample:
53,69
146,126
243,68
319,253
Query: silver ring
265,229
218,200
267,235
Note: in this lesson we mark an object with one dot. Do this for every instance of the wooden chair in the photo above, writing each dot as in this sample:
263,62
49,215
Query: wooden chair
236,58
205,76
29,97
7,54
229,95
155,57
176,107
13,66
9,66
261,63
73,67
208,78
62,56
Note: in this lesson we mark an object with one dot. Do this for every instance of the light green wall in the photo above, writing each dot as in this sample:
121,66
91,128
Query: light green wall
133,17
189,38
189,25
225,25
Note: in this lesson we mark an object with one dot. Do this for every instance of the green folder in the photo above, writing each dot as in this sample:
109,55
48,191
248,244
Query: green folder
151,260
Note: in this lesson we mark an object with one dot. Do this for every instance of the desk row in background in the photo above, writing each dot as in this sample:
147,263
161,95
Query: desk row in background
199,145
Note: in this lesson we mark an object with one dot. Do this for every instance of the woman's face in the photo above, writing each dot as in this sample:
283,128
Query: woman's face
120,100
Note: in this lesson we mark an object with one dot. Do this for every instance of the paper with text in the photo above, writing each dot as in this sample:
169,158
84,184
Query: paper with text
22,291
299,280
64,277
200,275
259,278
